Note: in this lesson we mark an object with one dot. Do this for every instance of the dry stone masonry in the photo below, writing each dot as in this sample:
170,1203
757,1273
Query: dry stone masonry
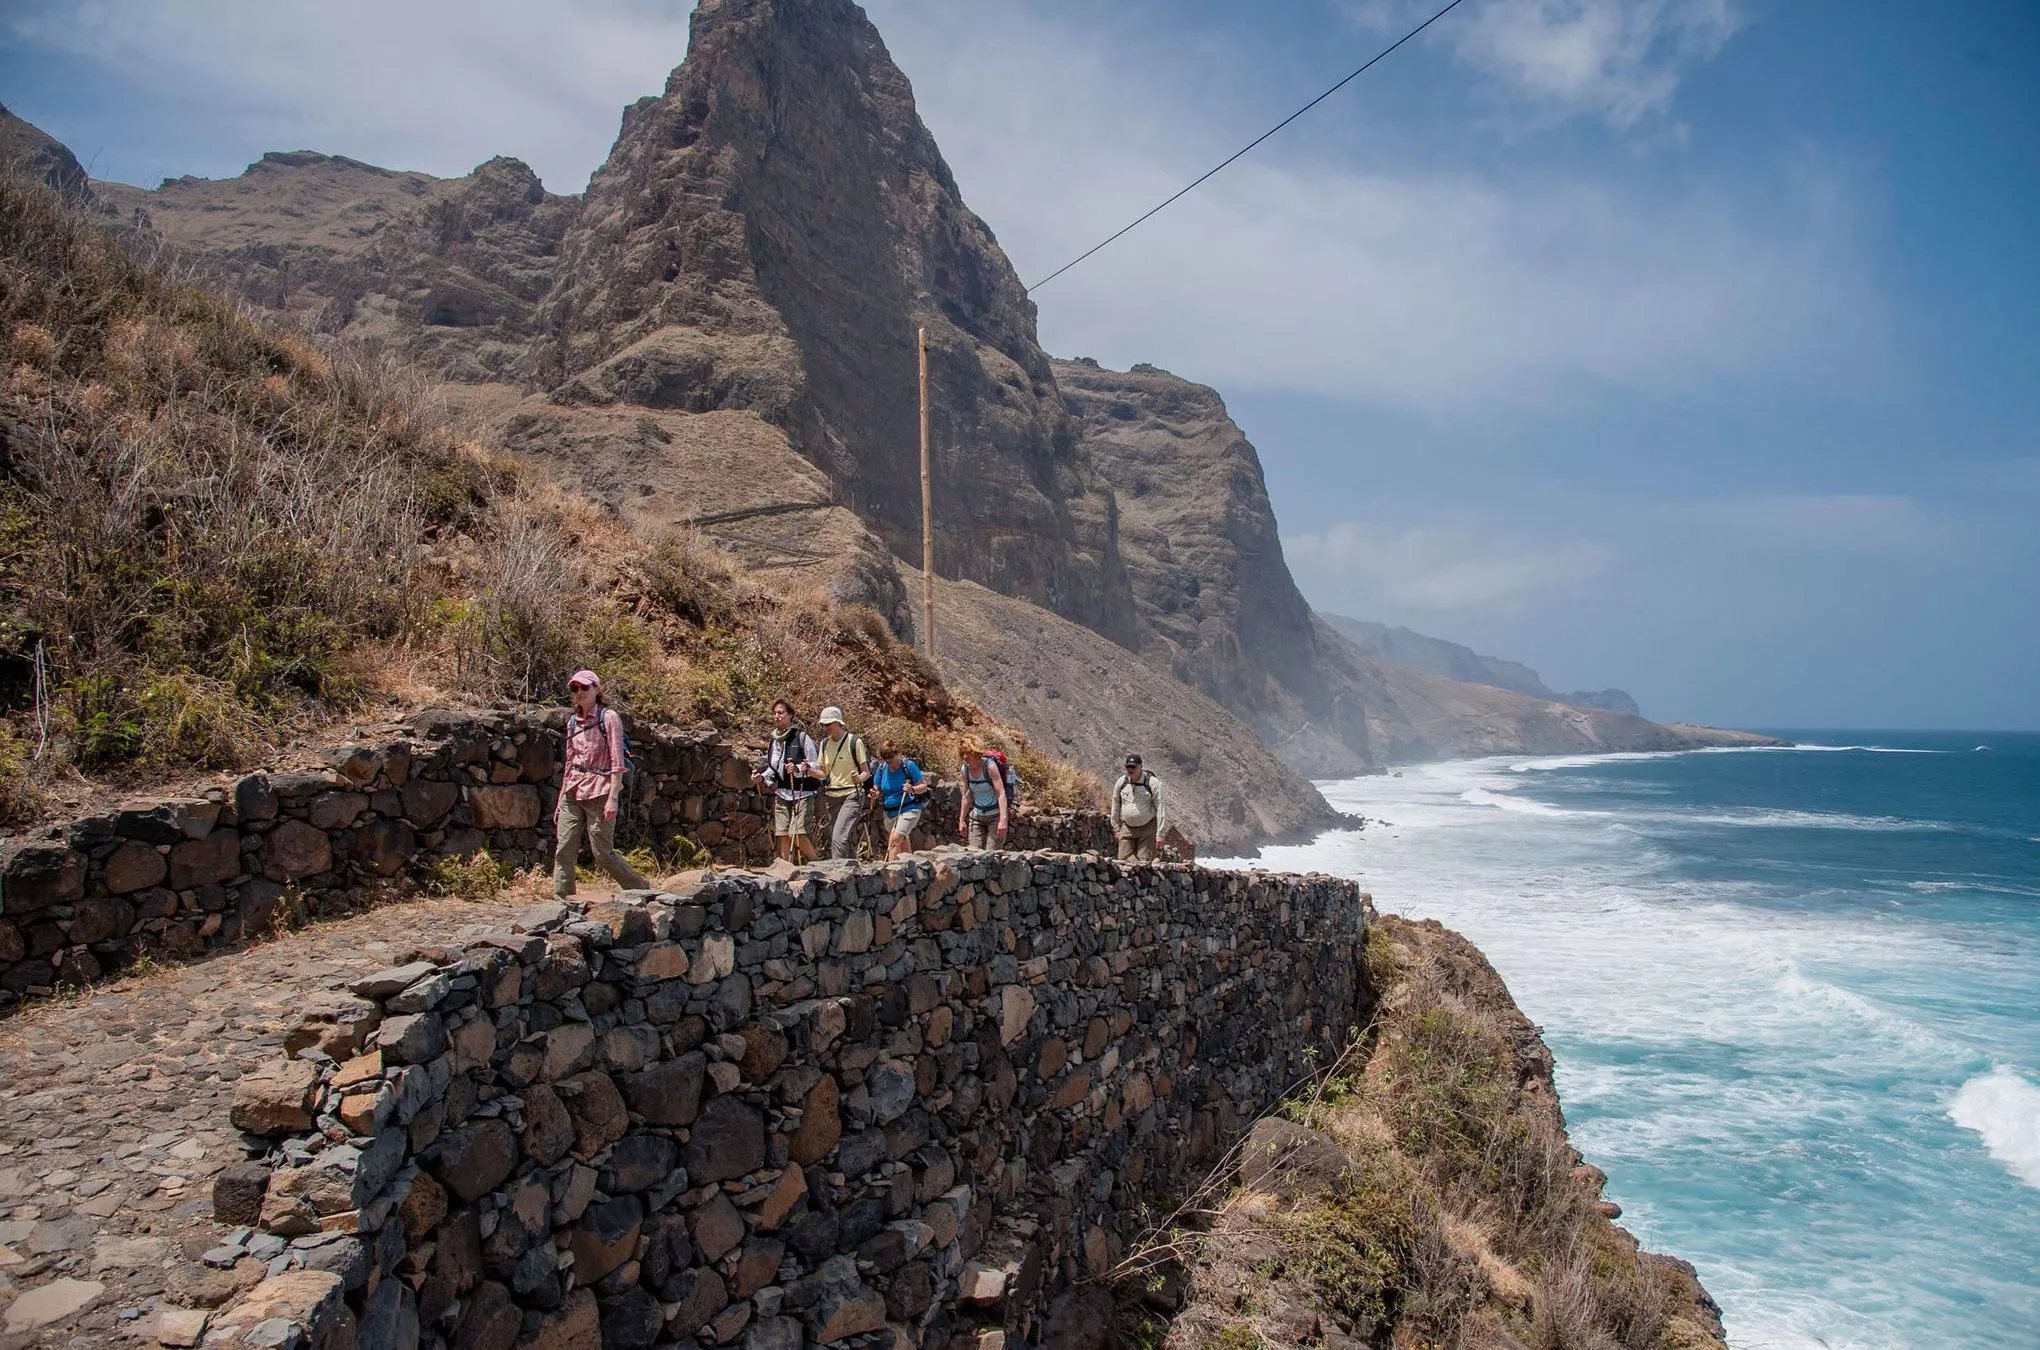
883,1106
188,876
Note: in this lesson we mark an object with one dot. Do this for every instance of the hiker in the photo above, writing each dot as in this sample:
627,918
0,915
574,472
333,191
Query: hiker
902,792
981,811
1138,819
592,788
845,772
789,770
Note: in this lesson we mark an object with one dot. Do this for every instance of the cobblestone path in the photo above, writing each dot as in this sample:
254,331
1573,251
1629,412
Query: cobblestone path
113,1122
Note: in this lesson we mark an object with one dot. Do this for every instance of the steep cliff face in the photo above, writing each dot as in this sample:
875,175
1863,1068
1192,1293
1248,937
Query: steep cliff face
448,272
27,149
1218,608
768,235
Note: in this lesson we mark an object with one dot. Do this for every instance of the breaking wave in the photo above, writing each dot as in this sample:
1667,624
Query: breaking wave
2004,1109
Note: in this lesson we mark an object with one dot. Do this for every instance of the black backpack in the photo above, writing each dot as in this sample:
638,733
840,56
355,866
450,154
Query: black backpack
799,783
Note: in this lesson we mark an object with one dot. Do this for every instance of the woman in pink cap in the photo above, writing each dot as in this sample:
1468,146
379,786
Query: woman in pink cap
592,788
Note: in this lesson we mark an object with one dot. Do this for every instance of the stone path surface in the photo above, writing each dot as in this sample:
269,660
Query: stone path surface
113,1123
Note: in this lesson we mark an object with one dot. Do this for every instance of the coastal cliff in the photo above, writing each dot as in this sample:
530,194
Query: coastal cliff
1420,1192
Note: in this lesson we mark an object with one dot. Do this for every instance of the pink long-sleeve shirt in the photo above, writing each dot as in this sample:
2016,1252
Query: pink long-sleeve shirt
592,755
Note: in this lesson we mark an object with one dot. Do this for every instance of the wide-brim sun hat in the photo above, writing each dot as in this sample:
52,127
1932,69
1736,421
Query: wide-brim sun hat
831,714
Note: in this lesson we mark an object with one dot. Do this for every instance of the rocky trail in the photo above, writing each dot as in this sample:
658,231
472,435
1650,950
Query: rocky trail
114,1126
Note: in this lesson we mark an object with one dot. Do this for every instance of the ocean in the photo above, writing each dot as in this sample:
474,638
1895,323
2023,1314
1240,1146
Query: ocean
1794,997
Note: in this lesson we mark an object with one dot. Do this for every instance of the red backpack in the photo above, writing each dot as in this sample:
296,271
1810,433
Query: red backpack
1012,778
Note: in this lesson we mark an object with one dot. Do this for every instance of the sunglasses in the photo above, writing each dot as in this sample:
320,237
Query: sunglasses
577,688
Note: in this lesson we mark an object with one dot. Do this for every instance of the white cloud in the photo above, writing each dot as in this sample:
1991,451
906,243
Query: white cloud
1620,59
1422,285
1427,287
437,85
1369,568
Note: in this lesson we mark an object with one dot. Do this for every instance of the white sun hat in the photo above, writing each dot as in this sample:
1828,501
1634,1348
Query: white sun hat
831,714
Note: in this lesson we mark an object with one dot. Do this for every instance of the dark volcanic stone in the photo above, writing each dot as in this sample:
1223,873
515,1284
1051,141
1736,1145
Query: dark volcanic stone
640,1161
728,1141
476,1159
237,1193
631,1320
668,1093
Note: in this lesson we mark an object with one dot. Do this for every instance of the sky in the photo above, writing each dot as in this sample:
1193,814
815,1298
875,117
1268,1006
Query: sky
1686,346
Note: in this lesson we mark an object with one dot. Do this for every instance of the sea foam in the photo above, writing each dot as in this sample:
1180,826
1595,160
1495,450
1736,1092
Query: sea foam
2004,1109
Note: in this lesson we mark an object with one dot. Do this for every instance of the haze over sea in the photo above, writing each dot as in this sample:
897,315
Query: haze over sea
1795,1000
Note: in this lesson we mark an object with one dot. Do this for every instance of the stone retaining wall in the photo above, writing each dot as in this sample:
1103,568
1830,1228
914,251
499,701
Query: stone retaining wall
186,876
902,1105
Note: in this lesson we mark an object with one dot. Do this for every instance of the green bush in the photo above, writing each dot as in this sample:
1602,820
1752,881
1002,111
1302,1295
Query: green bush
475,877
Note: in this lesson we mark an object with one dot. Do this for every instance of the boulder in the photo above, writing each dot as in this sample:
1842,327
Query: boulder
728,1141
254,799
699,1295
548,1129
668,1093
393,980
382,847
134,867
311,1305
205,862
765,1049
237,1193
631,1320
821,1125
413,1038
476,1159
390,1321
605,1238
718,1228
38,873
295,850
491,1320
276,1098
426,800
847,1307
504,807
100,918
640,1161
575,1325
600,1117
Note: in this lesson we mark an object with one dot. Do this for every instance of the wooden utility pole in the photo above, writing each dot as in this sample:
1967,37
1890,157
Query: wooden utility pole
927,516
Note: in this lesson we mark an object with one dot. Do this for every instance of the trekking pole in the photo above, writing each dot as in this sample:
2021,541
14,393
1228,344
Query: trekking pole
927,514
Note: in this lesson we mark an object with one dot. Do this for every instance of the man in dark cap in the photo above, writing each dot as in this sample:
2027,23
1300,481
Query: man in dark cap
1138,817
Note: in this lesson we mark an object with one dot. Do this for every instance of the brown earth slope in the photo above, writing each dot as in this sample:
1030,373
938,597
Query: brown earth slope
1083,700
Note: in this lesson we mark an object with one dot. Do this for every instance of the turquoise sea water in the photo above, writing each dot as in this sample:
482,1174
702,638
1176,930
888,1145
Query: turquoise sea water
1795,1000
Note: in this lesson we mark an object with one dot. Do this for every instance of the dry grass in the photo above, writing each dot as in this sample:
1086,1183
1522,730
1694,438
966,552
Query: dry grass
216,534
198,514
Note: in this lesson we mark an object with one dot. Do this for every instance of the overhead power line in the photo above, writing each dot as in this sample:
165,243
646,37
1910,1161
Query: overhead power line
1212,173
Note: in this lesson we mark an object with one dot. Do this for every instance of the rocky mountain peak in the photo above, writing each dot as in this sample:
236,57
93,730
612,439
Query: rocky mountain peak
767,236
